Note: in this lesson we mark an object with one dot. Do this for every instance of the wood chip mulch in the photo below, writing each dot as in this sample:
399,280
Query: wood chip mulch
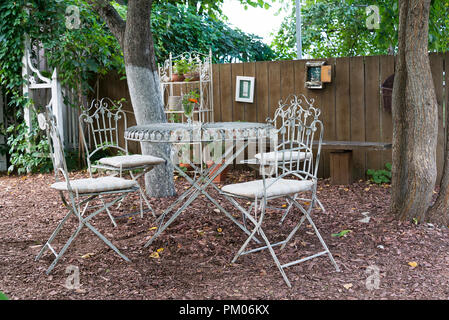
192,258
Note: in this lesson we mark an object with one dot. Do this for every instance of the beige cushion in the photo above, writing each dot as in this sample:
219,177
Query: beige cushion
92,185
281,187
283,156
131,161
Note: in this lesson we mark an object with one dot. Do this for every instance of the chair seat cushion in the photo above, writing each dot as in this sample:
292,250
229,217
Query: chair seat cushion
131,161
94,185
253,189
283,156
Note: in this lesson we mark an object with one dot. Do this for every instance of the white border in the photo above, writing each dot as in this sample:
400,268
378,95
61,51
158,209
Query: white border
237,89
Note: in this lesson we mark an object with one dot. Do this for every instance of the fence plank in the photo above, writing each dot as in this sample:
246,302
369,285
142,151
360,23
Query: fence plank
261,91
357,101
436,65
238,113
327,106
342,102
299,73
372,103
216,92
287,79
249,70
226,94
274,89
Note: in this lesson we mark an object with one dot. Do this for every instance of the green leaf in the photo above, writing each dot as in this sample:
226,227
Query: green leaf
3,296
341,233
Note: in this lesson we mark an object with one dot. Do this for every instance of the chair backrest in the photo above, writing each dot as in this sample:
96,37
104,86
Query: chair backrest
102,119
47,122
299,132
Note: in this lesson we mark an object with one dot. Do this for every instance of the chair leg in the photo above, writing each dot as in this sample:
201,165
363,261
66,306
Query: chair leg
109,212
53,235
260,231
142,194
320,238
82,222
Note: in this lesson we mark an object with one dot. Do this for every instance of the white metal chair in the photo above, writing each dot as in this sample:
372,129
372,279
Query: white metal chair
81,192
102,119
297,175
289,115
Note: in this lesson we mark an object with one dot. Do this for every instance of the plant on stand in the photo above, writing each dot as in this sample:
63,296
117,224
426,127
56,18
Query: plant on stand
190,102
193,72
180,67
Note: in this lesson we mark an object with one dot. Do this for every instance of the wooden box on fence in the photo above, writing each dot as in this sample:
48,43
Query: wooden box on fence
317,73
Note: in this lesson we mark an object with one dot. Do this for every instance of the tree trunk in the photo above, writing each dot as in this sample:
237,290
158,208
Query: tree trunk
438,213
415,116
136,40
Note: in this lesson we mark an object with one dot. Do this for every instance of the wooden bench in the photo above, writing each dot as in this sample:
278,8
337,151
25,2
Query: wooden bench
341,157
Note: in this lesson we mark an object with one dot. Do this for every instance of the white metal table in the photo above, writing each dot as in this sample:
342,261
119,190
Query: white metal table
204,133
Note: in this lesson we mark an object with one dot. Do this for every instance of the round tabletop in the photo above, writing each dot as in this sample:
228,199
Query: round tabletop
205,132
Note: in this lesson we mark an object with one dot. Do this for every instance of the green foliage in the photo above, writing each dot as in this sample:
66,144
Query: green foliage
3,296
380,176
28,150
334,28
181,28
79,53
181,66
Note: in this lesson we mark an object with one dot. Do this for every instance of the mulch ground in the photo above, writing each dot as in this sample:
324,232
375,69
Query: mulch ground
194,254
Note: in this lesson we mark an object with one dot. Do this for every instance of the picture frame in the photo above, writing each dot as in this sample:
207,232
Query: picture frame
244,89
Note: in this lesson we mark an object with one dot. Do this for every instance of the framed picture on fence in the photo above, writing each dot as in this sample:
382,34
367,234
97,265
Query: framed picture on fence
244,89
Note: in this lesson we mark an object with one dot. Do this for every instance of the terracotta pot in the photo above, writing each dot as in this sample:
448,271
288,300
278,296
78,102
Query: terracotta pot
177,77
222,176
185,165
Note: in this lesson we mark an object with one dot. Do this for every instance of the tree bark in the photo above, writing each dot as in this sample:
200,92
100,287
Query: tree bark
438,213
415,116
136,40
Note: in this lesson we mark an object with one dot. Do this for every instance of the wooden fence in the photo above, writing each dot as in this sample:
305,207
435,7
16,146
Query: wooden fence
352,105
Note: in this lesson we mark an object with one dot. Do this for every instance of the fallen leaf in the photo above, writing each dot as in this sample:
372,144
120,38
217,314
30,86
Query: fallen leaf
341,233
413,264
152,228
347,286
219,229
87,255
160,250
154,255
366,189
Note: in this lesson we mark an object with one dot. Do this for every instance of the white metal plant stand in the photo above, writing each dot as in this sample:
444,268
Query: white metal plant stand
202,85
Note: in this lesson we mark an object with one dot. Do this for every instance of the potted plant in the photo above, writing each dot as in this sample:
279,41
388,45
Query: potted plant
193,73
180,67
190,102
